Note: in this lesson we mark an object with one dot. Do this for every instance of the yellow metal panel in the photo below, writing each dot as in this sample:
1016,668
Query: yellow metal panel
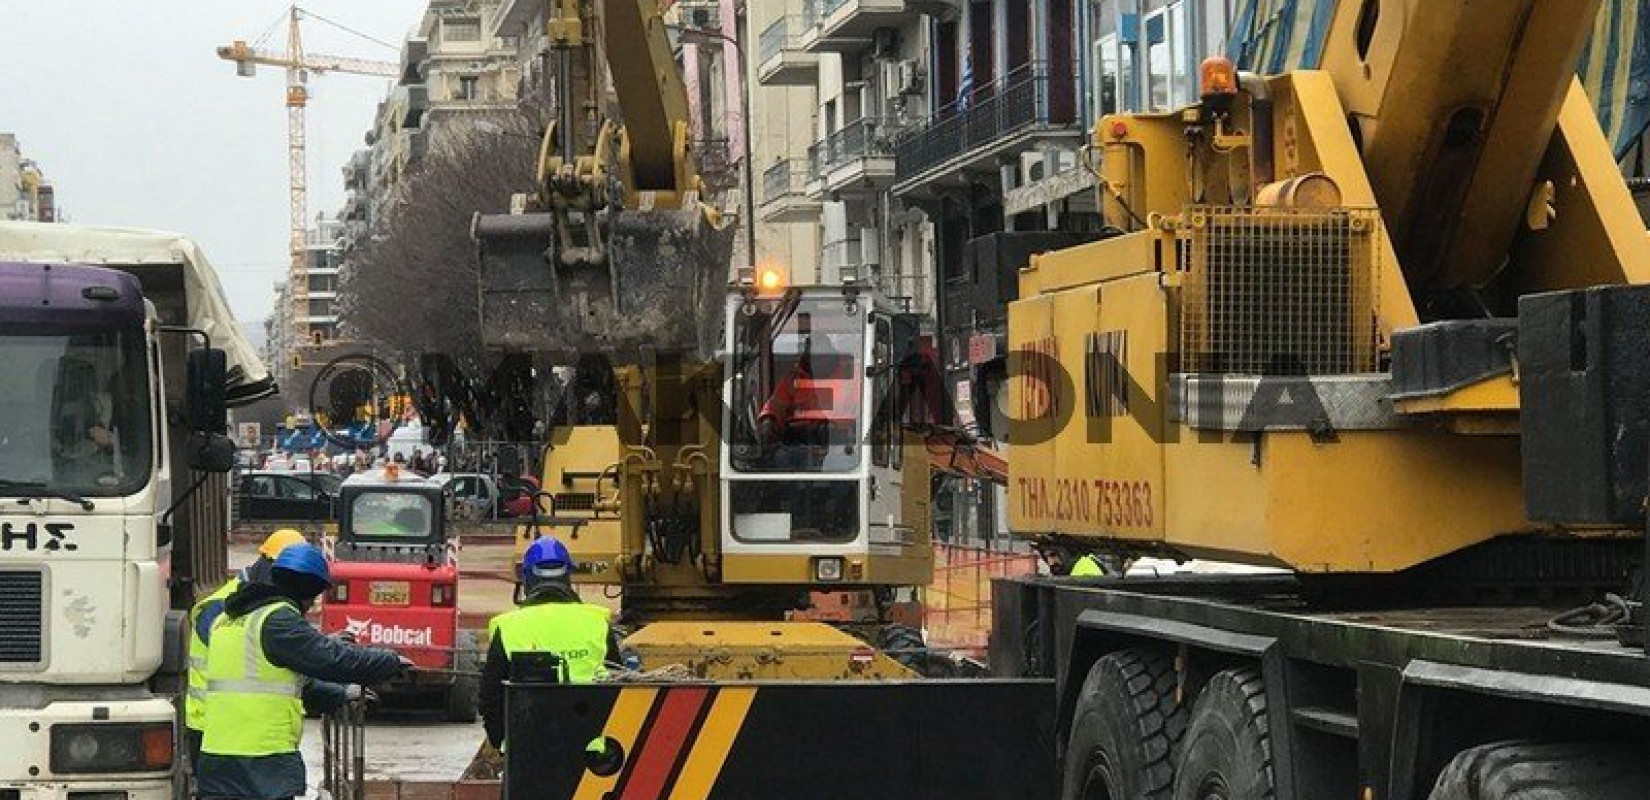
1499,393
1086,263
761,651
1598,236
914,566
1101,473
1369,502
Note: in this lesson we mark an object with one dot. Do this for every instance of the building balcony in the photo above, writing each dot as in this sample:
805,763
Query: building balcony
414,53
512,17
847,26
411,105
1028,109
783,60
857,157
785,196
706,15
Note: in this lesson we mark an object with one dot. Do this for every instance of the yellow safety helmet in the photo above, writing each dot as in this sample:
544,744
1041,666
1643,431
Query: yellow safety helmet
280,540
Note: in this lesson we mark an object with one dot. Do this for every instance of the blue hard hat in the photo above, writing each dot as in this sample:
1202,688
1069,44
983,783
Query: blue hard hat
305,559
546,558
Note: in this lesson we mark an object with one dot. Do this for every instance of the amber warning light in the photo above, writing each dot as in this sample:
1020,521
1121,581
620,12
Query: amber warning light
770,280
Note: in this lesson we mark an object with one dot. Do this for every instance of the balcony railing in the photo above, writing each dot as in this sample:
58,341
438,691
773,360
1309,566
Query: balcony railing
782,35
1026,98
865,137
784,179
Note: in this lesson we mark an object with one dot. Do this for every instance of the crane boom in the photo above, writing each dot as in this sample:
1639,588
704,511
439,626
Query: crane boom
242,53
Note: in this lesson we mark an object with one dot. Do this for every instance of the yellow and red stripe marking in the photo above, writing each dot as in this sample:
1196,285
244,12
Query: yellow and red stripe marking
676,740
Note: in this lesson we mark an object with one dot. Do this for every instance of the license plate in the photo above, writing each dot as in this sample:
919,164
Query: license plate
390,593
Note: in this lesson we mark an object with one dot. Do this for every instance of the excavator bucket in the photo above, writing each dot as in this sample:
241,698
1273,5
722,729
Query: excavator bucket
653,284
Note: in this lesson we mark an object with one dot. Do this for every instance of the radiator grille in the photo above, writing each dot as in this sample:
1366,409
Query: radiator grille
1277,291
575,501
20,611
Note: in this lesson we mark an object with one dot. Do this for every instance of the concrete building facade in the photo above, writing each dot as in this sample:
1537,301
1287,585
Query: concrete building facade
25,194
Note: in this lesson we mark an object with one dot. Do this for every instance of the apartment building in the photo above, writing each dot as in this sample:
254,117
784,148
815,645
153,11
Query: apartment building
25,194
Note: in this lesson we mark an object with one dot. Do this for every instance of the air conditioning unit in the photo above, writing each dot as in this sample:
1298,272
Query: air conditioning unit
870,247
910,76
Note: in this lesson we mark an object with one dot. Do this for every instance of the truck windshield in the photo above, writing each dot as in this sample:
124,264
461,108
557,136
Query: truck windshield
74,412
797,386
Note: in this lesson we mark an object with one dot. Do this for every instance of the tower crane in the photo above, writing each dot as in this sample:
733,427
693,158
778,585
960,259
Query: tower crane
298,65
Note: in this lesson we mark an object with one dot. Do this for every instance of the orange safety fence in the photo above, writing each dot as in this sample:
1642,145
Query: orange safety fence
957,605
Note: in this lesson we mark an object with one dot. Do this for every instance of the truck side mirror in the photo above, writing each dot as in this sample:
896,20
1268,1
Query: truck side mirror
208,410
210,452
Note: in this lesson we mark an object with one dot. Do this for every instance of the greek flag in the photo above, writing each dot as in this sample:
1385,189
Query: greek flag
1274,36
965,86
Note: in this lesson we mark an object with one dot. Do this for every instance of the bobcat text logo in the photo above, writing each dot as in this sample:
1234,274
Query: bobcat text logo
369,632
29,537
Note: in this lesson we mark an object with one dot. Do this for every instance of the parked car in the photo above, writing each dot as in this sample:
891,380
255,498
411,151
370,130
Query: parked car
279,495
473,494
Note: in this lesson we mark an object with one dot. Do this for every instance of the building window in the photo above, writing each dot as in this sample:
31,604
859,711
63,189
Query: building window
320,308
1106,80
461,31
467,88
1168,78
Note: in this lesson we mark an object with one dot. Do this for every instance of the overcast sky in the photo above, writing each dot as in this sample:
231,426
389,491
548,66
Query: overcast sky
133,117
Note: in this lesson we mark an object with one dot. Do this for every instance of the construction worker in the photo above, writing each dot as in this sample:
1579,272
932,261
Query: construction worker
265,666
1087,566
201,617
549,618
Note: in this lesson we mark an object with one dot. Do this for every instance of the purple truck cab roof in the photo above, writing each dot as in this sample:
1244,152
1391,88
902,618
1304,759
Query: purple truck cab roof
52,296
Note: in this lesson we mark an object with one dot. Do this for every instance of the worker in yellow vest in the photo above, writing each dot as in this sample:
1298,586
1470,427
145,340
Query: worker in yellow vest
205,612
550,618
265,666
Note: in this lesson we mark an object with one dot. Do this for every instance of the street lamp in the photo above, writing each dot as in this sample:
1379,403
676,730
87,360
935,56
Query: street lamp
702,36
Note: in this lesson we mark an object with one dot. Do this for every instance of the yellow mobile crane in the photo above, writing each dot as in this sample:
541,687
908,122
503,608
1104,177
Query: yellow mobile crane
618,266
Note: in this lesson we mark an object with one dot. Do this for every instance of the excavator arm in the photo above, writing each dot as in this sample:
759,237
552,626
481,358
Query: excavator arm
614,253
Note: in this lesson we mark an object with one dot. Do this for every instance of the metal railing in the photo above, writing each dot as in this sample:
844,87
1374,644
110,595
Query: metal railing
1023,99
863,138
782,35
343,752
784,178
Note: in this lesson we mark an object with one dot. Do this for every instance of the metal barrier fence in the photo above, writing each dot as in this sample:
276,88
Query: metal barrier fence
957,604
344,752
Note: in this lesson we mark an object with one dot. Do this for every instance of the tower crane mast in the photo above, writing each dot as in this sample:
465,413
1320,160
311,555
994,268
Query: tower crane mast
298,65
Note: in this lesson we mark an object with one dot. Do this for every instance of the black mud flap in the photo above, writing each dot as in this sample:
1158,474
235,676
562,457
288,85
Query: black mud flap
657,285
945,740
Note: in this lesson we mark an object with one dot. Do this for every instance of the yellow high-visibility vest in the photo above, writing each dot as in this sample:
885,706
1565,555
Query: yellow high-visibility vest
253,707
194,706
577,632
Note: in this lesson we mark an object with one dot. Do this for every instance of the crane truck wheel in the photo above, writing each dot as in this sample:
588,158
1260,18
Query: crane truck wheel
1126,730
463,695
1227,754
1544,771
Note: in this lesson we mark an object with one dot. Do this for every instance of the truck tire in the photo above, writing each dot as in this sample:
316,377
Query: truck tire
1227,754
1126,730
463,696
1541,771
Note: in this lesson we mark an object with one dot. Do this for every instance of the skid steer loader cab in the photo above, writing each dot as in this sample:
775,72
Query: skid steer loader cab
813,476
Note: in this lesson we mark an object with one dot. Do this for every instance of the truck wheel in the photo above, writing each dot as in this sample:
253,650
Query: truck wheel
463,694
1227,754
1126,730
1537,771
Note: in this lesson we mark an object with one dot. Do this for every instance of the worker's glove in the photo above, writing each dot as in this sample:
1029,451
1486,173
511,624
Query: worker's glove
358,693
345,636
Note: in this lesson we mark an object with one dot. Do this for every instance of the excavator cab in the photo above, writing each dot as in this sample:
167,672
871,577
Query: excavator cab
814,474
